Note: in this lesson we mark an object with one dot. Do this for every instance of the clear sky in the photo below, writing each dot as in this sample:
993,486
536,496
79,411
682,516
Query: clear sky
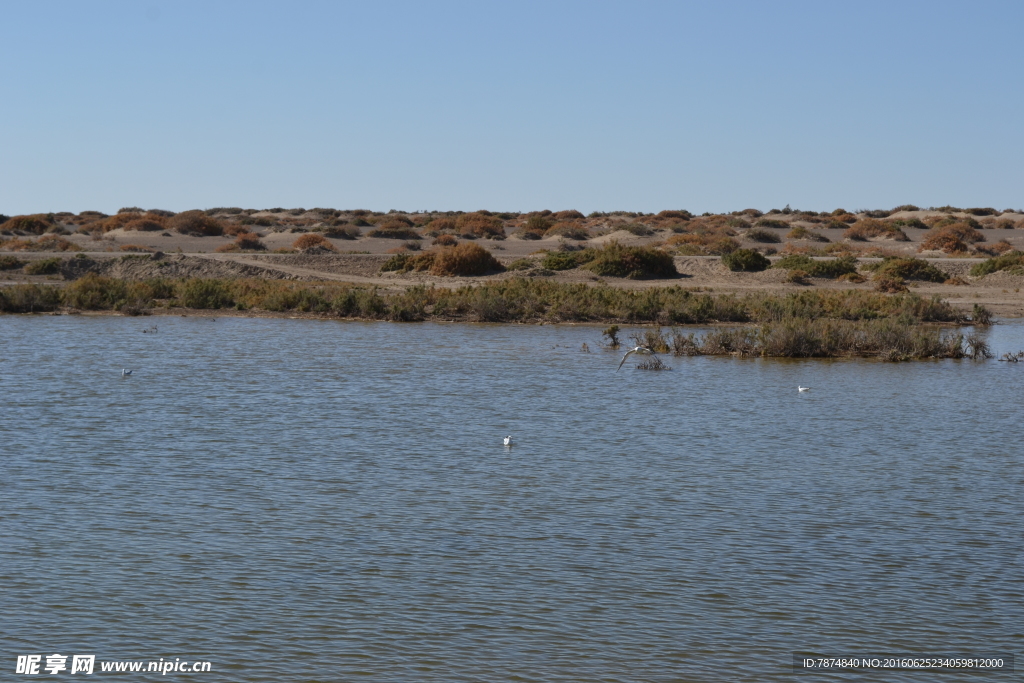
510,106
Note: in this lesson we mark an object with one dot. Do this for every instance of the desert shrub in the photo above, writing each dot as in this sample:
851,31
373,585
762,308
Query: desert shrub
1012,262
134,247
312,241
146,223
908,223
571,214
566,260
479,225
988,211
797,277
952,238
831,268
95,293
398,263
29,299
535,227
195,223
905,207
764,236
130,209
198,293
36,224
890,285
702,244
249,240
338,232
908,269
1000,247
229,210
771,223
746,260
466,259
48,266
10,263
445,241
399,228
856,278
638,229
521,264
636,263
569,229
868,228
802,233
878,213
682,215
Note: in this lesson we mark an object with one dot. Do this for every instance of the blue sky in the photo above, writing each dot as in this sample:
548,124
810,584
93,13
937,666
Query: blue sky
513,106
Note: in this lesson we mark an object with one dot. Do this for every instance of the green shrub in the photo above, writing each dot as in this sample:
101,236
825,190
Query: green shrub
10,263
908,223
746,260
566,260
908,269
764,236
197,293
521,264
771,223
638,229
49,266
398,263
905,207
29,299
636,263
1011,261
831,268
95,293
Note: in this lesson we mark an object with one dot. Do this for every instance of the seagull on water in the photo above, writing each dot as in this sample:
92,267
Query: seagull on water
508,440
125,373
801,389
641,350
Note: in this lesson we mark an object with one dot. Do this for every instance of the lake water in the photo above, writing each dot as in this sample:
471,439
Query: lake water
299,500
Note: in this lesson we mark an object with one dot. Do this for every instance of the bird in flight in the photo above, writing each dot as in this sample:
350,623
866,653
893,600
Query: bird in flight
641,350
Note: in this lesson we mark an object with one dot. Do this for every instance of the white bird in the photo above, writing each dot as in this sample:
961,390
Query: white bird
125,373
641,350
508,440
801,389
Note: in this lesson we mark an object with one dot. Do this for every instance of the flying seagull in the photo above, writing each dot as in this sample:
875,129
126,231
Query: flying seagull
508,440
642,350
801,389
125,373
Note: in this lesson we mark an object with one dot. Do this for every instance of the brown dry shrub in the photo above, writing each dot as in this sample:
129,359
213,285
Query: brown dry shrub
946,242
957,281
445,241
195,223
479,225
311,241
856,278
134,247
868,228
466,259
573,230
35,224
249,240
1000,247
445,224
234,229
395,227
571,214
890,285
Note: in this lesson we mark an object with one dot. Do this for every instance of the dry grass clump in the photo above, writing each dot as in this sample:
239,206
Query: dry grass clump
871,228
951,238
691,244
44,243
570,215
195,223
134,248
445,241
312,241
890,285
855,278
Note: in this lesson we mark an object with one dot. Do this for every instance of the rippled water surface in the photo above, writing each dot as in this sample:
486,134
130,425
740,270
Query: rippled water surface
298,500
